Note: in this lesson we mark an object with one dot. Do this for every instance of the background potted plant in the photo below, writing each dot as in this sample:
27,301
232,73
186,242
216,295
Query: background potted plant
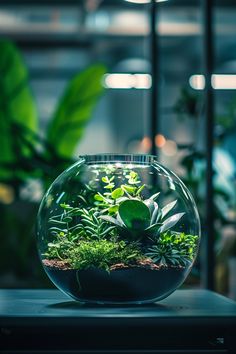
29,161
190,106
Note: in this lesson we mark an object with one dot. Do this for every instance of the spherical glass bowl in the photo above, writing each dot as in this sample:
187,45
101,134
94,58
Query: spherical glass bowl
118,229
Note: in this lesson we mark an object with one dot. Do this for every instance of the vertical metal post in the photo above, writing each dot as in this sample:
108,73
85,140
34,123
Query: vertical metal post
154,74
208,53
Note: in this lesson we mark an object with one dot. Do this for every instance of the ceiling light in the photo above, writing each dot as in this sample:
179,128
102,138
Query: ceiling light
218,82
223,82
127,81
197,82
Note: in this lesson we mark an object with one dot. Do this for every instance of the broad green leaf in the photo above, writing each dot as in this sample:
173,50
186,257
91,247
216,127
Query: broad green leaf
154,196
99,197
110,186
134,214
170,222
18,117
117,193
133,181
105,179
119,219
67,219
111,220
75,110
155,214
113,209
56,245
128,189
133,174
154,229
168,208
57,222
107,231
65,206
150,204
140,189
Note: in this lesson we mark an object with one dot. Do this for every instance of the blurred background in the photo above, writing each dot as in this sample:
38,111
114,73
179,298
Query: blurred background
78,77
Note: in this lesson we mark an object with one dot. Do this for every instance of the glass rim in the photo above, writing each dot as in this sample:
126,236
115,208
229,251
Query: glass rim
118,158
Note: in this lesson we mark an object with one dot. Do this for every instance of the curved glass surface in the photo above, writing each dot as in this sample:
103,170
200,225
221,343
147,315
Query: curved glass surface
118,229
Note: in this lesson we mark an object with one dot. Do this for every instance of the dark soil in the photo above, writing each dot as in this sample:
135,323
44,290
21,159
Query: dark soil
64,265
56,264
142,282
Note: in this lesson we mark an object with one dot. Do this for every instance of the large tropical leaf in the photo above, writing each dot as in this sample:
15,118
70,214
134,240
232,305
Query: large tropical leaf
134,214
75,109
17,108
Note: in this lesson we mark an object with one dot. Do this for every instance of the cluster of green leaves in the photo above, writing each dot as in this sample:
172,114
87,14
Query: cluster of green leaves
79,223
105,232
61,246
172,248
114,195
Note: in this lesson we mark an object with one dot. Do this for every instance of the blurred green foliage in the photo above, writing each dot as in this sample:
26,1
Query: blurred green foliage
27,155
24,152
190,106
17,108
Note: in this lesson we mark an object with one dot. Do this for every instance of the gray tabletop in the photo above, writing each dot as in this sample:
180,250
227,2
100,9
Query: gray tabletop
51,305
48,320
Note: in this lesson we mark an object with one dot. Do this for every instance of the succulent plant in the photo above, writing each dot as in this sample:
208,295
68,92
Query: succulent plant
143,218
173,248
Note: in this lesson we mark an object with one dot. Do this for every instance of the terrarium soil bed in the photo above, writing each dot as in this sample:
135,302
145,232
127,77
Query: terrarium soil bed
121,285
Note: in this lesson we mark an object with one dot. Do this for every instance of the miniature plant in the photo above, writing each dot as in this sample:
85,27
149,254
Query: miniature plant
119,226
138,220
88,226
129,213
114,195
60,247
176,249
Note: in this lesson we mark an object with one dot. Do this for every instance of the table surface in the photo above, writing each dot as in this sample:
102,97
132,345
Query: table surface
46,305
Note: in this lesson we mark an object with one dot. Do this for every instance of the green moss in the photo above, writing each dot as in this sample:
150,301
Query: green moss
102,254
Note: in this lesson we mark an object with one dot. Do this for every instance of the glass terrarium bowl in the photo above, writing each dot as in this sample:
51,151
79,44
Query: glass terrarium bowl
118,229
